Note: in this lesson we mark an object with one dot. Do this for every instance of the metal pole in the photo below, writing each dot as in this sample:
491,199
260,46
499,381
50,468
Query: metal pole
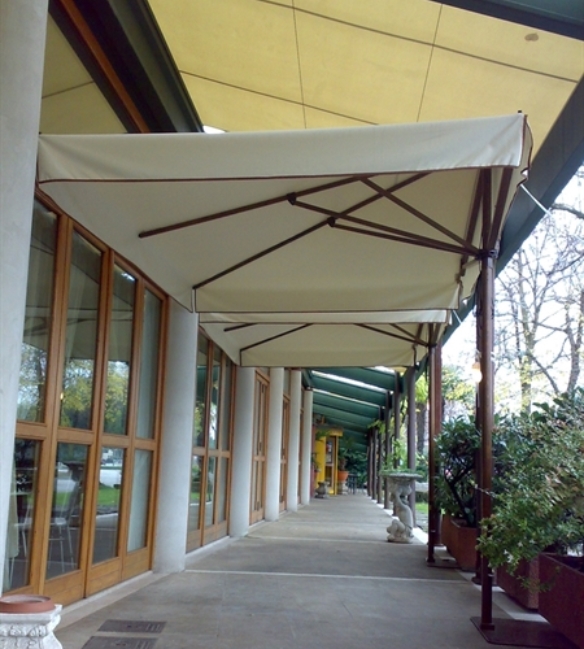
435,394
387,450
397,410
369,463
379,482
486,392
485,327
411,392
397,423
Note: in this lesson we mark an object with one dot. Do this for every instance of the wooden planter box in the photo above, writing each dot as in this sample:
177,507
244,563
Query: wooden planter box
460,541
562,604
515,587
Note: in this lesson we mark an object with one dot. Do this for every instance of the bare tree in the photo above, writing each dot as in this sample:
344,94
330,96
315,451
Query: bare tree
540,305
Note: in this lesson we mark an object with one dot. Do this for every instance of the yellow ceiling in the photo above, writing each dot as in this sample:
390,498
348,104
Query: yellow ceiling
261,65
72,102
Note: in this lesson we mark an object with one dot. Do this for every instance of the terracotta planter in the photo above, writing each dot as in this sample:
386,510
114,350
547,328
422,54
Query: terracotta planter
342,475
460,541
515,587
22,604
561,605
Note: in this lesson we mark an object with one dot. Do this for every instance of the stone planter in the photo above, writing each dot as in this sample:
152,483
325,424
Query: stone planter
28,622
342,476
515,586
561,604
460,541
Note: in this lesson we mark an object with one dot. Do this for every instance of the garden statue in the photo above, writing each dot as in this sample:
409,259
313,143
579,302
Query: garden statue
401,528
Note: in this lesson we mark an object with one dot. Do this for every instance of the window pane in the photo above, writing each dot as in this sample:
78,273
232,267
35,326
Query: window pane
81,338
108,504
194,506
120,352
199,424
140,499
21,514
38,316
222,489
210,492
225,405
214,405
66,509
149,366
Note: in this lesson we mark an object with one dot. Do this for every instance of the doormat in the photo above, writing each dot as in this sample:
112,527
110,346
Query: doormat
523,633
119,643
132,626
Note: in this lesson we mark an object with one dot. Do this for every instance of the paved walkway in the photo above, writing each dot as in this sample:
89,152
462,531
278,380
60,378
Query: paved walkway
323,577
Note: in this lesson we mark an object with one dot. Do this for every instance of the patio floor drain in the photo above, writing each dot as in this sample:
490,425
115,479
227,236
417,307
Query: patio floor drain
119,643
132,626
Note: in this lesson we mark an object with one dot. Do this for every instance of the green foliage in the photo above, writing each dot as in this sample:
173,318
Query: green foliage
539,503
457,447
422,389
355,459
457,388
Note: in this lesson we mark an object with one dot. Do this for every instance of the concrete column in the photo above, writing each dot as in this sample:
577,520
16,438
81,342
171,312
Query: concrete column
23,27
275,407
294,441
177,441
241,454
306,485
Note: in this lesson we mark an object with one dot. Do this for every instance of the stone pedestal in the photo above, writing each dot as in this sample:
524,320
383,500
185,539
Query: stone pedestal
400,530
30,630
322,490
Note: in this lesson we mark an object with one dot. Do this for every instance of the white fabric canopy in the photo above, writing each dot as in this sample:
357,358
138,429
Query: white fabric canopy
354,225
325,345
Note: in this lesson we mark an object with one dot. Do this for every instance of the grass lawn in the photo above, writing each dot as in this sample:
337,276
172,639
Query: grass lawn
422,508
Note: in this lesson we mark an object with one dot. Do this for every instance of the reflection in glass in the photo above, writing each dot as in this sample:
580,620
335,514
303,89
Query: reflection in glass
149,366
81,338
214,404
140,496
21,514
108,504
38,316
66,509
210,492
222,490
225,407
120,352
195,498
199,424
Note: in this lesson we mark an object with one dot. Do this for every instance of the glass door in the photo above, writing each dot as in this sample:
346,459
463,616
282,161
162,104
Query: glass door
260,435
81,512
284,451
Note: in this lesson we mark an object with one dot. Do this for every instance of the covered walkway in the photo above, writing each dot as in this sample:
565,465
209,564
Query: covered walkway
322,577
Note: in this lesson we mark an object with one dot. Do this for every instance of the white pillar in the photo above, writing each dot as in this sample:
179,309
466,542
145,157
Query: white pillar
177,441
241,454
306,478
23,27
294,441
272,503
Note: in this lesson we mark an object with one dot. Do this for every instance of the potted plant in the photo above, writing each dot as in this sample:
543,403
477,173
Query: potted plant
541,508
457,447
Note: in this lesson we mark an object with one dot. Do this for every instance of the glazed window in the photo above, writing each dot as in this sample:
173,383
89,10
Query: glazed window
81,335
38,317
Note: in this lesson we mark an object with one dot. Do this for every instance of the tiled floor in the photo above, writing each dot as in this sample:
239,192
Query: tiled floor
323,577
